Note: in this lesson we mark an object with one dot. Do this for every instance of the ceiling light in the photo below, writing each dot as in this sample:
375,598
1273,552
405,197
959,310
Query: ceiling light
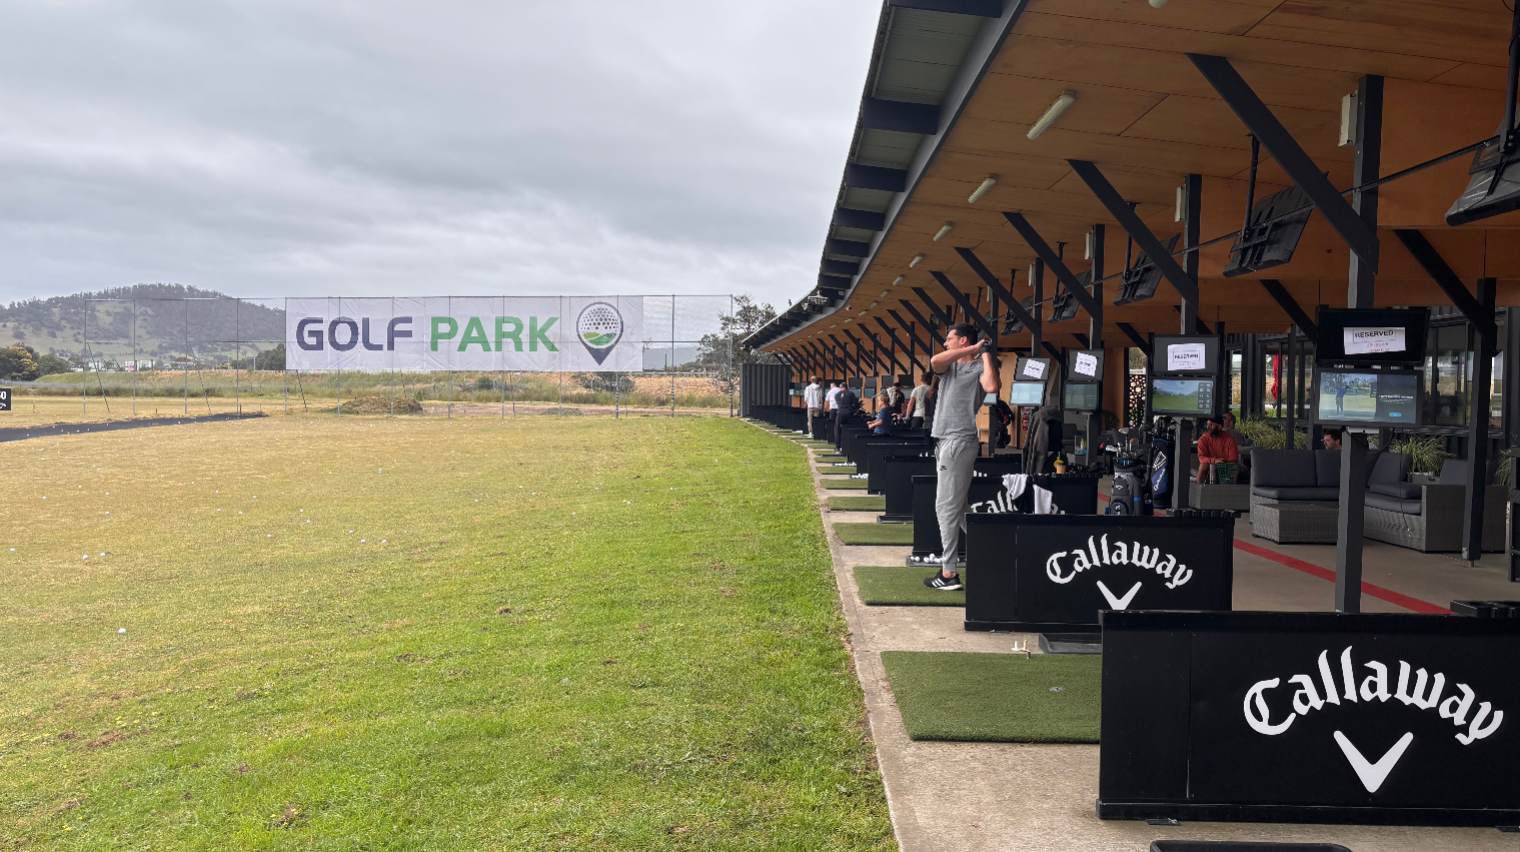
1062,104
896,281
884,294
873,304
987,185
943,230
1348,120
1157,4
1087,249
1179,211
917,259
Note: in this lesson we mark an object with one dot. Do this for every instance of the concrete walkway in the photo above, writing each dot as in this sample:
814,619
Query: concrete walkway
968,797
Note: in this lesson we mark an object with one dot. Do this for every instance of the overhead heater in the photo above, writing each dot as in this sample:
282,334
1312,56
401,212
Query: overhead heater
1494,187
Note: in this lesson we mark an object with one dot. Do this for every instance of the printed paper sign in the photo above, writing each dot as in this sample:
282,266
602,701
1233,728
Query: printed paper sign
1034,369
1087,365
1367,341
521,334
1183,357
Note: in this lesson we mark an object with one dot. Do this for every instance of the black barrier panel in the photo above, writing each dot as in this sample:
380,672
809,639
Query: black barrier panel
876,454
1310,717
898,473
1055,573
853,428
864,443
823,428
1070,494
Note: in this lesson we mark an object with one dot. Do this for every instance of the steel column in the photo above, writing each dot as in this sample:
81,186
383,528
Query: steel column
1348,543
1045,253
1192,218
1369,155
1477,428
1031,321
1185,285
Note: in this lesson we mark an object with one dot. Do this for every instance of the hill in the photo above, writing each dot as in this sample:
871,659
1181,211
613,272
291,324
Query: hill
171,320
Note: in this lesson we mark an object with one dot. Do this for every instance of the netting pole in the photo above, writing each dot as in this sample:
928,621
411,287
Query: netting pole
449,413
504,393
672,355
287,391
302,388
237,365
514,399
733,372
136,363
187,358
84,384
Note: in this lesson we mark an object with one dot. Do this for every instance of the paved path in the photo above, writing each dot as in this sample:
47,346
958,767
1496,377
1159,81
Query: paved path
969,797
22,433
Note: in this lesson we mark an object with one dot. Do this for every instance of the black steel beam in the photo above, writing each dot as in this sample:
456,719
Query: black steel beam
1258,118
1055,353
847,248
960,299
907,327
1030,321
1477,427
1141,342
899,116
1043,250
1192,235
1450,283
1199,326
979,8
1082,339
1369,157
848,357
1296,314
940,313
866,220
864,353
1118,208
876,177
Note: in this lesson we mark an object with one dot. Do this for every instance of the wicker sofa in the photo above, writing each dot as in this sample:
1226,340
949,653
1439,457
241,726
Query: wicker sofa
1428,517
1281,477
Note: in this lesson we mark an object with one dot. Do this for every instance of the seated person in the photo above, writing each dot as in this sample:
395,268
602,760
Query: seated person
882,425
1217,447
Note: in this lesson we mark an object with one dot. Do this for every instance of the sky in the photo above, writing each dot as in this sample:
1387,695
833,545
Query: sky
348,148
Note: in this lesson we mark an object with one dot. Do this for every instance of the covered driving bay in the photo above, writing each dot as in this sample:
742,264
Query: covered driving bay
1160,213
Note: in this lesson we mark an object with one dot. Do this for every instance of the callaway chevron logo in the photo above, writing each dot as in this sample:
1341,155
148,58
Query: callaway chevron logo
1067,565
1270,711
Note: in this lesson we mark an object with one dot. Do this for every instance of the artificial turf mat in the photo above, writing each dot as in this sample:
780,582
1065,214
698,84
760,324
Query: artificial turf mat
873,503
899,585
874,533
840,483
1003,698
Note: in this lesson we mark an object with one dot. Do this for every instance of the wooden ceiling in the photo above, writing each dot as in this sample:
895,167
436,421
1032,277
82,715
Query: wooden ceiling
1148,118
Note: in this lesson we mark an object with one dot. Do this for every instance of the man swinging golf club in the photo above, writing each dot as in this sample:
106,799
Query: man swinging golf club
967,371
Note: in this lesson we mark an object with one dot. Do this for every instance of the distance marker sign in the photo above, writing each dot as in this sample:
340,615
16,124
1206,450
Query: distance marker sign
5,399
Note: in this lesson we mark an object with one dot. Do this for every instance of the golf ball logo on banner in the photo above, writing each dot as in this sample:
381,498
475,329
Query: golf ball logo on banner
516,334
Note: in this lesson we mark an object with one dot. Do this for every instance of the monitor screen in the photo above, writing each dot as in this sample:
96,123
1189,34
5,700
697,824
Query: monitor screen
1185,354
1183,397
1391,399
1026,393
1084,365
1081,398
1371,337
1032,369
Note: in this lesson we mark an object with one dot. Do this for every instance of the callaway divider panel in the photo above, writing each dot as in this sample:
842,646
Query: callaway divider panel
1071,493
1055,573
1310,717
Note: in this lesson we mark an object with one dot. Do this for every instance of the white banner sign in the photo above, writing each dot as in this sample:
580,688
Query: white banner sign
1365,341
1087,365
518,334
1182,357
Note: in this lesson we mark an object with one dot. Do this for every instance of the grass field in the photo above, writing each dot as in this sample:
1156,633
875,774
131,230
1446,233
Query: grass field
392,634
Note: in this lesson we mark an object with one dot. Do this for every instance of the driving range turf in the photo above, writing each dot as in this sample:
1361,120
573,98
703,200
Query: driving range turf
373,633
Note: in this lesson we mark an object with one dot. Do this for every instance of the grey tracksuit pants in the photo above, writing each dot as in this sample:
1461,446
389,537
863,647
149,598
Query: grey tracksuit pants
955,461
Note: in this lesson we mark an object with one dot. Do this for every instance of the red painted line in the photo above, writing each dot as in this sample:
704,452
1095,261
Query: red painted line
1104,497
1382,594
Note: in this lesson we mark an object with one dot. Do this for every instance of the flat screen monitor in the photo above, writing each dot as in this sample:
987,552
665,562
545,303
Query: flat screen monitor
1386,399
1081,398
1183,397
1367,338
854,384
1026,393
1032,369
1184,354
1084,366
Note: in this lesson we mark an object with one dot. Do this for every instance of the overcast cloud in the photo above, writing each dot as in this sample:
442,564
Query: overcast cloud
349,148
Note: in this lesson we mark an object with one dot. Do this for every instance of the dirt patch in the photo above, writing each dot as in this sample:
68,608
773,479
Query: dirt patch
107,738
377,404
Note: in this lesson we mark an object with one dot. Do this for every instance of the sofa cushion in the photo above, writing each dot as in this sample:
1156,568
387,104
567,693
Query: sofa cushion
1398,490
1393,504
1390,467
1327,468
1454,472
1282,468
1319,495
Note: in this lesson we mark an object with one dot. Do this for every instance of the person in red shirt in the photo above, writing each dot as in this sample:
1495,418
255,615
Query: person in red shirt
1216,446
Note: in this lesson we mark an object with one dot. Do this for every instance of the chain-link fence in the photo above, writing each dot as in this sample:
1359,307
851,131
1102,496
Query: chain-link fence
132,357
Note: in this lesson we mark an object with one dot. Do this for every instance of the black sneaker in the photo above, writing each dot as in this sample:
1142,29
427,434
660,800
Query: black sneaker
942,583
